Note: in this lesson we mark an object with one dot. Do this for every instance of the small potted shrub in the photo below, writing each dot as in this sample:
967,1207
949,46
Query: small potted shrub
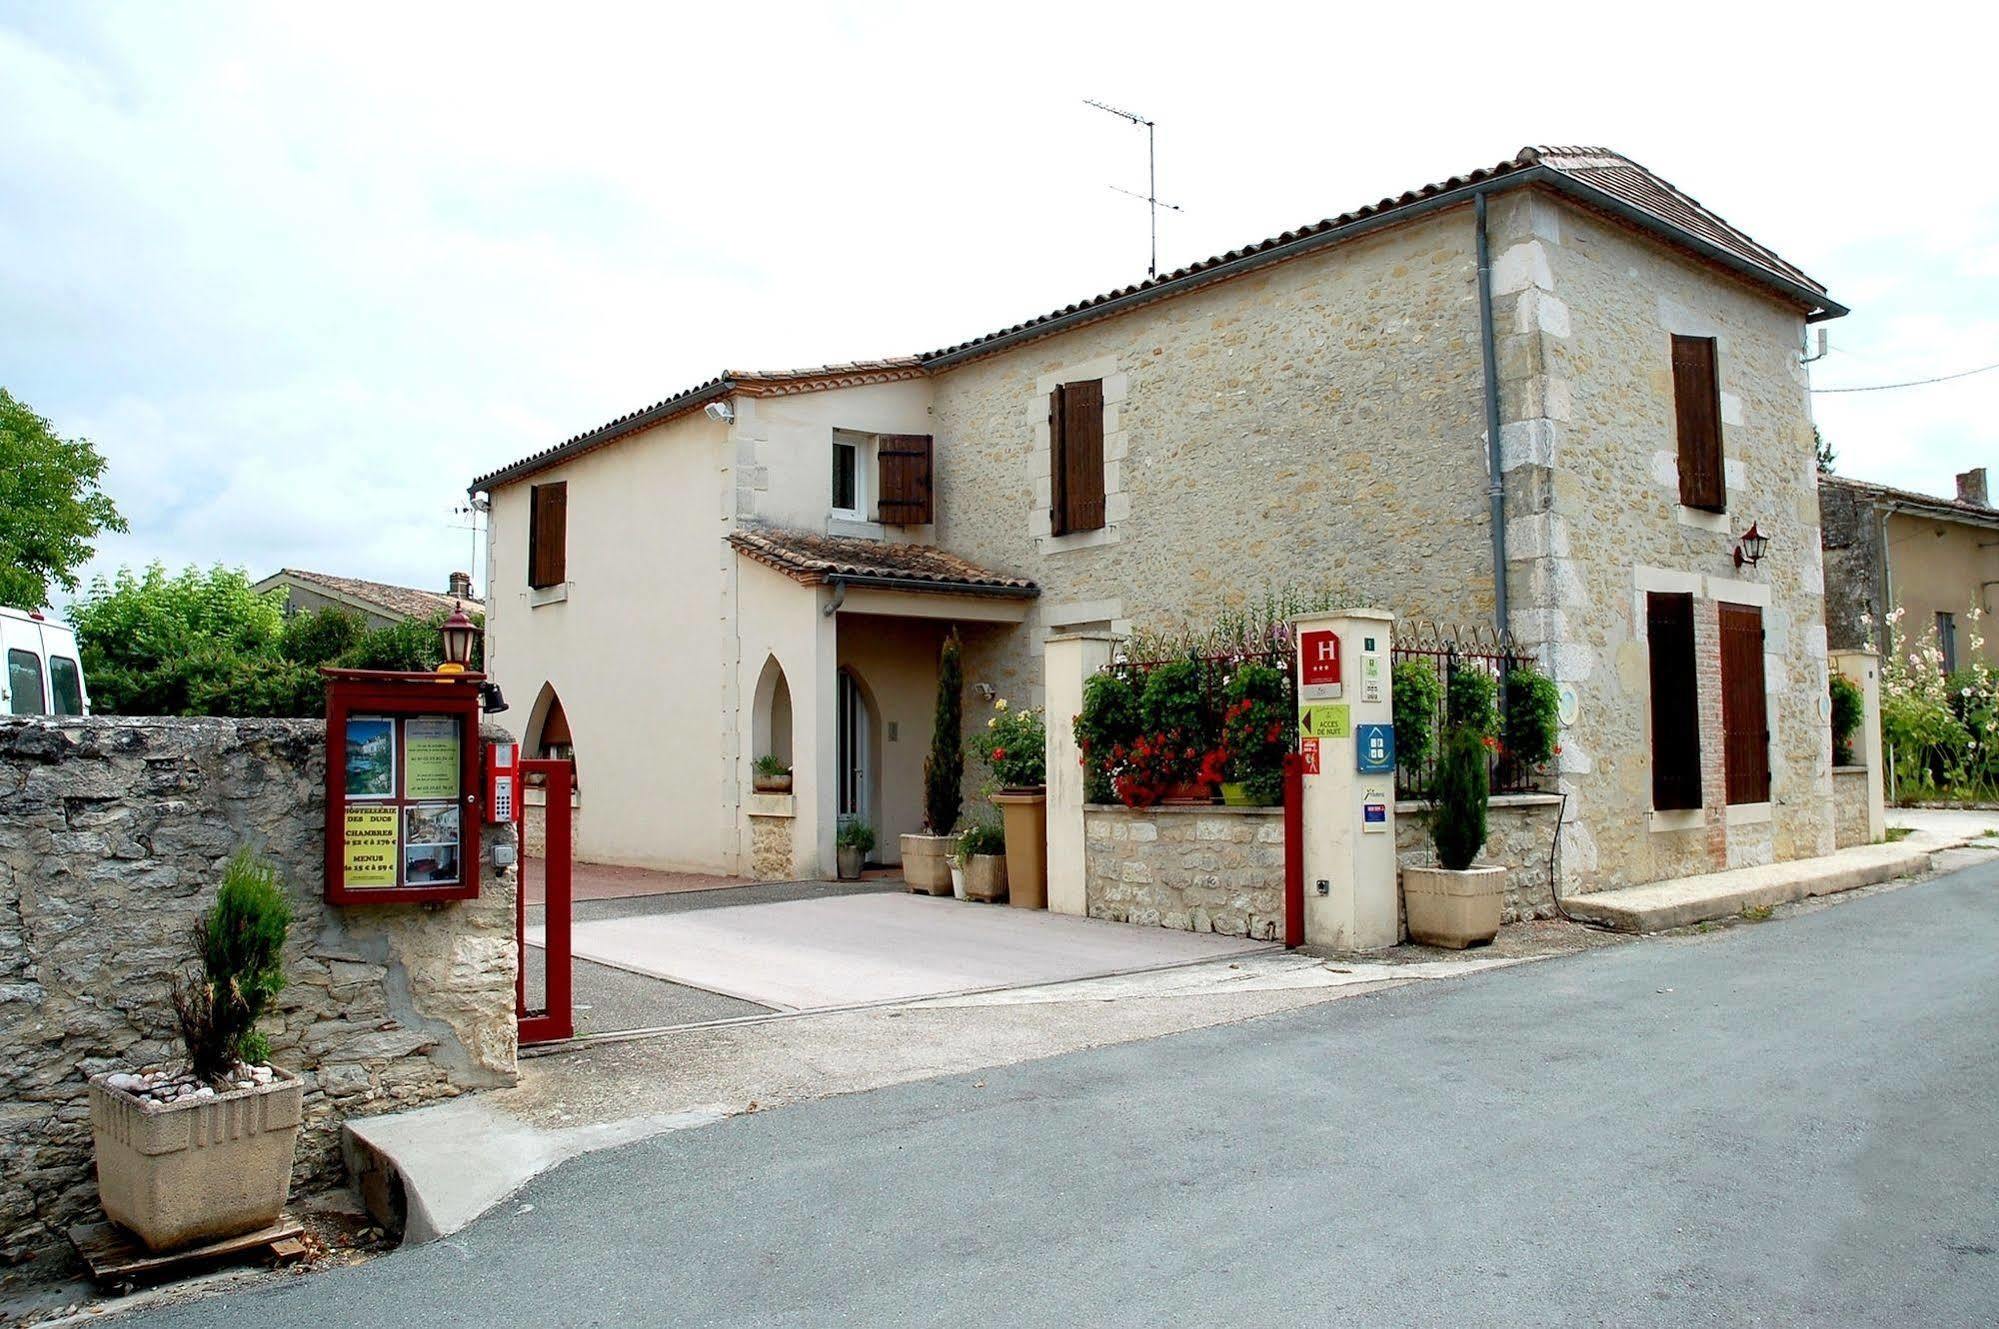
204,1152
770,776
982,848
1109,721
926,868
1458,903
1014,747
851,846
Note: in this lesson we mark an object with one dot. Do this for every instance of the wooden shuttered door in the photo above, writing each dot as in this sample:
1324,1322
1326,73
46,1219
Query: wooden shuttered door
1745,713
904,489
548,535
1676,721
1697,407
1076,457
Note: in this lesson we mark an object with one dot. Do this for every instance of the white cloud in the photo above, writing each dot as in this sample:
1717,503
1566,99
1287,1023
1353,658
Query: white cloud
302,275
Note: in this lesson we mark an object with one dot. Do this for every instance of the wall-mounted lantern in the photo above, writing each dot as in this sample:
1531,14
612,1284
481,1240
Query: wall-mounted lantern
459,633
1751,548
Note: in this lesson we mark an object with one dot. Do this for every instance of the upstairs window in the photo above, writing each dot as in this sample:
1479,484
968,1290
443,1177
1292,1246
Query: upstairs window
1676,717
847,476
548,535
904,470
1076,457
1697,410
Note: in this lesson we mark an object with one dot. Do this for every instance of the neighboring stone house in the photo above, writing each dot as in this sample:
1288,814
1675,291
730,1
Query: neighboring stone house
1935,559
1312,409
380,603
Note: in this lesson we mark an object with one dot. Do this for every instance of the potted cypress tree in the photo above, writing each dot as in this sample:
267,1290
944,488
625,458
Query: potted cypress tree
204,1152
926,857
1458,902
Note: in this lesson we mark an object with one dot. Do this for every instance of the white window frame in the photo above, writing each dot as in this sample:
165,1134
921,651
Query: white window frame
864,451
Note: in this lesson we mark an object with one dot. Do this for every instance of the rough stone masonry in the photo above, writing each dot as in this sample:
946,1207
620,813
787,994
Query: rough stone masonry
113,833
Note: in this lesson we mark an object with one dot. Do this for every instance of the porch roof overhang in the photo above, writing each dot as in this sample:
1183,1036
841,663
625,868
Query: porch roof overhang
869,576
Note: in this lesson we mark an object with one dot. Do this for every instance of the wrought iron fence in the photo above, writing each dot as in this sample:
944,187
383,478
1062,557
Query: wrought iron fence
1445,652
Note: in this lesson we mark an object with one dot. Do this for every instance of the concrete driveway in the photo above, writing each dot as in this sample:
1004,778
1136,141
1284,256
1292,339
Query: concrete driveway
850,950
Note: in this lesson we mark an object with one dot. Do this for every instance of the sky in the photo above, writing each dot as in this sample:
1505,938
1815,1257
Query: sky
300,272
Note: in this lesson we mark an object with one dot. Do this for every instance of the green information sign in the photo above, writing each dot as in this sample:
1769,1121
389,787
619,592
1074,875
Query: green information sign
1325,720
430,756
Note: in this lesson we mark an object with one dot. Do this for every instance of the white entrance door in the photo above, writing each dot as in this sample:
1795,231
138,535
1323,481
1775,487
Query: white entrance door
854,755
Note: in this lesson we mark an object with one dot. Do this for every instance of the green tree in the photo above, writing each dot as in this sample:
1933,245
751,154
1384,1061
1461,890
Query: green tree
944,768
156,643
1823,451
51,509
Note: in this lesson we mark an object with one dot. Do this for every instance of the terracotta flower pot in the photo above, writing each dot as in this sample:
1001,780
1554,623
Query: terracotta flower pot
771,784
1025,812
1454,909
201,1169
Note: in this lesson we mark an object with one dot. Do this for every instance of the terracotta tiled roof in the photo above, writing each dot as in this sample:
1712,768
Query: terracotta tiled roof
1594,177
816,559
395,601
1930,504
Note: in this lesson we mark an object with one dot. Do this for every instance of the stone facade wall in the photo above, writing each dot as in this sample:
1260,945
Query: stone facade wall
1849,805
1850,538
771,852
1519,833
1587,311
1217,869
1199,869
113,833
1315,423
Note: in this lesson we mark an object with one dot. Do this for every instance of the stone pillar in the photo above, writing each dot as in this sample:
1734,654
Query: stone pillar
1349,815
1068,660
1864,668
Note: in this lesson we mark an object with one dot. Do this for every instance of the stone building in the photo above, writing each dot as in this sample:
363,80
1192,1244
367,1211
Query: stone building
380,604
1554,392
1935,559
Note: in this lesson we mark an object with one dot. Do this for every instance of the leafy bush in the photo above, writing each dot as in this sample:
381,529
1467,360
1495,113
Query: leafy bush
855,834
1173,699
1256,732
1462,791
1110,720
321,636
1470,701
769,765
239,945
1014,746
1849,703
981,837
1418,694
1533,716
944,768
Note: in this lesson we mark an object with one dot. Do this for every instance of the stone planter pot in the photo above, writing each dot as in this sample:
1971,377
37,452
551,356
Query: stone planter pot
986,877
199,1170
771,784
1454,909
848,861
1025,812
926,863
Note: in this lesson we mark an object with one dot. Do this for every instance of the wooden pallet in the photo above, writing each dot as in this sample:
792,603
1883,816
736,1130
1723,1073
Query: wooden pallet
116,1256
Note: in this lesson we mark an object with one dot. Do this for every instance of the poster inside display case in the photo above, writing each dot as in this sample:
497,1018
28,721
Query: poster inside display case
404,788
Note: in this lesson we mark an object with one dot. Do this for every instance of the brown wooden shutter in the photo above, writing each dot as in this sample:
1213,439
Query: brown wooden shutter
903,467
1697,408
1676,724
1745,715
548,535
1076,457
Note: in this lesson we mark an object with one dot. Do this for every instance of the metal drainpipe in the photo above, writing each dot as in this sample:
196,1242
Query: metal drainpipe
1496,485
1887,588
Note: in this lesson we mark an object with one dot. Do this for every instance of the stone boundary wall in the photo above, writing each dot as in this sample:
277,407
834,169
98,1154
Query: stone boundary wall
113,833
1849,806
1220,869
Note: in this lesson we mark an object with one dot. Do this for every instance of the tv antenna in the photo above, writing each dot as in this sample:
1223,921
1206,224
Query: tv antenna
1151,195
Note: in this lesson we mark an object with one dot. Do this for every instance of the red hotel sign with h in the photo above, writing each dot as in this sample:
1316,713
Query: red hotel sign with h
1319,658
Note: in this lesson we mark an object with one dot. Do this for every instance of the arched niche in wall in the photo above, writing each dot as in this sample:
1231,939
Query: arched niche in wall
770,714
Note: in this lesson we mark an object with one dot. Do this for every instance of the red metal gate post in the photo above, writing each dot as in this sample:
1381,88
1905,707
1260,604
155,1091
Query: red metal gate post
1294,849
556,1020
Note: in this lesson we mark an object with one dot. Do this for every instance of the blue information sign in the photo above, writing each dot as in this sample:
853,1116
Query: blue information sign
1374,748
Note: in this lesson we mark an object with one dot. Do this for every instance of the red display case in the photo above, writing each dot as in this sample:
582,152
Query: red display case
404,798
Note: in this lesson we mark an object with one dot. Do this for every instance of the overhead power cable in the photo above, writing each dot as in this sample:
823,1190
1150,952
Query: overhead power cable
1912,383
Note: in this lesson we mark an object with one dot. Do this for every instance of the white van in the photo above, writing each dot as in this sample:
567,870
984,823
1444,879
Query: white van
43,674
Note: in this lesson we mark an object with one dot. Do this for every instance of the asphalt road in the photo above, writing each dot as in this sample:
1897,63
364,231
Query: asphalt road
1792,1123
